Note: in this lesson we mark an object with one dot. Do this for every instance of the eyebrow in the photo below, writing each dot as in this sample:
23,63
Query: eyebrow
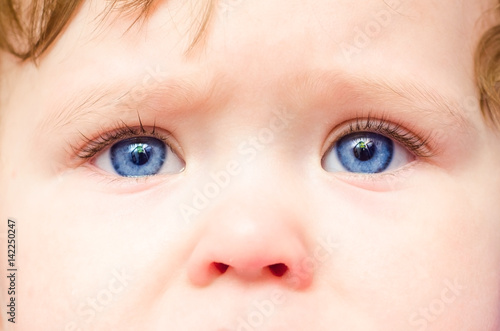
430,100
408,94
117,98
177,94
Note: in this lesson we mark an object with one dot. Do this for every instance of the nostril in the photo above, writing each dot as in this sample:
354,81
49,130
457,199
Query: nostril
221,267
278,269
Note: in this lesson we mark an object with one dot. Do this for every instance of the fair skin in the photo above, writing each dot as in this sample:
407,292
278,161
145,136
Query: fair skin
251,110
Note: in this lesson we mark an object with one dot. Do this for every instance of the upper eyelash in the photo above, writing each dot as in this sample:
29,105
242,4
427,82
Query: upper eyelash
419,146
94,146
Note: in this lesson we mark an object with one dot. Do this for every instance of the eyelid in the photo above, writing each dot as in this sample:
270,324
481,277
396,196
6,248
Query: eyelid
106,138
416,142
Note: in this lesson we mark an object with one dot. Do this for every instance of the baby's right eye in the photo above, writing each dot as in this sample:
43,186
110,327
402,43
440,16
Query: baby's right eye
139,157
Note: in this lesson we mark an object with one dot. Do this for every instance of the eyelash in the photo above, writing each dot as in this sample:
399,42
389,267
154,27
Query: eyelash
107,138
412,141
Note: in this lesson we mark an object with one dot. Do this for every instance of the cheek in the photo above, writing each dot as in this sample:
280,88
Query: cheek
458,255
78,247
427,253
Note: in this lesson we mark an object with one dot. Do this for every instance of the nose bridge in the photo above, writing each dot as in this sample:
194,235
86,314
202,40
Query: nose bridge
250,238
255,128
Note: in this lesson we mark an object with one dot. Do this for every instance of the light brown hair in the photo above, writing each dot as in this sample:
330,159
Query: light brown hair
28,28
487,67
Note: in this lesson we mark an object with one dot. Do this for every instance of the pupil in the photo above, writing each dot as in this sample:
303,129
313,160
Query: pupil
140,154
364,150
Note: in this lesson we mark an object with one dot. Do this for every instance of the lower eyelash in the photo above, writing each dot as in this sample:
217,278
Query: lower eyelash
417,145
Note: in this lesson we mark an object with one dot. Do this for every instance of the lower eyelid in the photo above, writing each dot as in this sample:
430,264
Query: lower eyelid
380,182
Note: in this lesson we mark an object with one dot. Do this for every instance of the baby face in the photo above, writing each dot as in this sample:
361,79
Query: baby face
305,165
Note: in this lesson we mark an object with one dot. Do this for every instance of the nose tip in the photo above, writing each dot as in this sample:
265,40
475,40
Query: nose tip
205,272
250,250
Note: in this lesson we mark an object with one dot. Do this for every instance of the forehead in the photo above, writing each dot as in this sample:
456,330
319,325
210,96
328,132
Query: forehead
350,34
262,43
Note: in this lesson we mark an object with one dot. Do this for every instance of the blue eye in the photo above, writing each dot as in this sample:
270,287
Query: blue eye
365,152
139,157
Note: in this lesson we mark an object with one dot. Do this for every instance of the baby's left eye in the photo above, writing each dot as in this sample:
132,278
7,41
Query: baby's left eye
139,157
366,152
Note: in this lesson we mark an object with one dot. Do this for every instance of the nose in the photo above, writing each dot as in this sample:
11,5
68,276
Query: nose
250,243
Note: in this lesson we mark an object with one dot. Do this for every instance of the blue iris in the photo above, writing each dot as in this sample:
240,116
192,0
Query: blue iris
365,152
134,157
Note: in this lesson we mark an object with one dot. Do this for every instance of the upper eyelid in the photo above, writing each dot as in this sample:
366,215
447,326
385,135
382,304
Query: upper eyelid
92,147
417,143
402,135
